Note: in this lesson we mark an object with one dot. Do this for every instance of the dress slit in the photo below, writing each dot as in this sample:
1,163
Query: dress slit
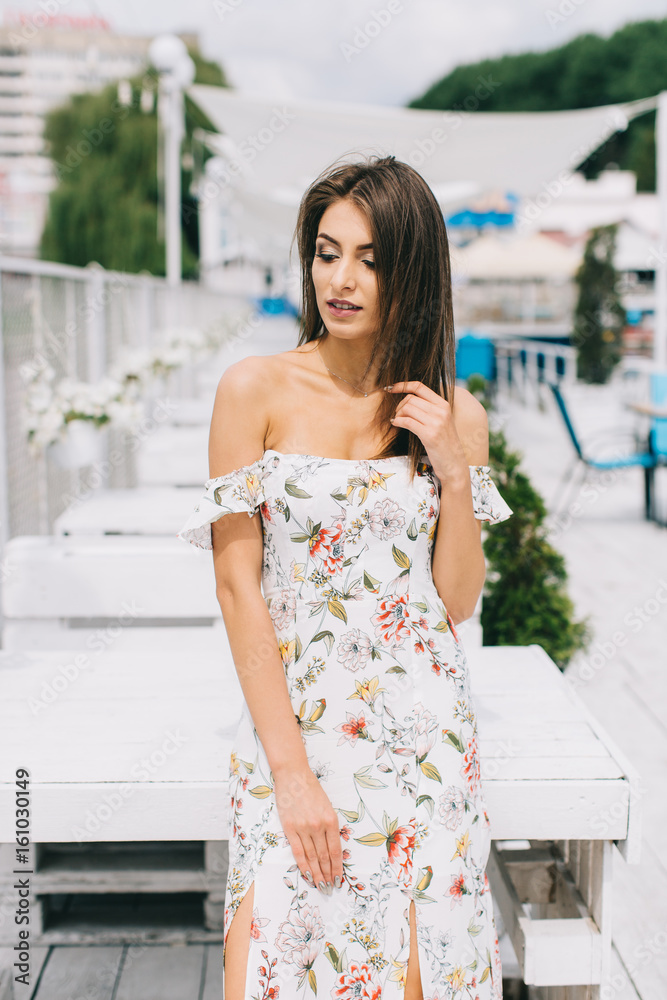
250,889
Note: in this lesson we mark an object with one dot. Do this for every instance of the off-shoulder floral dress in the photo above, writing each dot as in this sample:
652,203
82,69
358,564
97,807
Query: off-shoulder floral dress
379,683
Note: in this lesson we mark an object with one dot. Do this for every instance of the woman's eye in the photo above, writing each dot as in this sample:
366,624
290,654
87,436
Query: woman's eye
327,257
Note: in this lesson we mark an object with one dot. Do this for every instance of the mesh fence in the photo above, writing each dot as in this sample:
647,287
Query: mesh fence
79,321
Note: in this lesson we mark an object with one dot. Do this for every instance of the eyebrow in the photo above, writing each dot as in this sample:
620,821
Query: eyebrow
362,246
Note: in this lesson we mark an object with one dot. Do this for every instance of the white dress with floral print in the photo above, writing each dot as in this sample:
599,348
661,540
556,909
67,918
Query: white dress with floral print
379,682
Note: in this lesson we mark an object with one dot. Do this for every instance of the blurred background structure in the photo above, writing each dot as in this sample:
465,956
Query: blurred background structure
152,160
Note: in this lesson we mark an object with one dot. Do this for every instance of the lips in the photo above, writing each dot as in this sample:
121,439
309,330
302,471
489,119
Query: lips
340,307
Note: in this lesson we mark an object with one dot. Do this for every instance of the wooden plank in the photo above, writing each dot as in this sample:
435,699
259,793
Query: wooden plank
205,637
38,956
163,973
556,808
77,972
123,811
58,576
497,728
83,933
159,510
548,747
153,810
119,881
212,973
639,922
544,768
551,951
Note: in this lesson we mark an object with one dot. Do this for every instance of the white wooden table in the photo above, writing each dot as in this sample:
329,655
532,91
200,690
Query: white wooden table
551,776
141,510
174,456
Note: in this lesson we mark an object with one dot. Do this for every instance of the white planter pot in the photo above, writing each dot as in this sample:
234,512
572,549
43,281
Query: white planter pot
82,445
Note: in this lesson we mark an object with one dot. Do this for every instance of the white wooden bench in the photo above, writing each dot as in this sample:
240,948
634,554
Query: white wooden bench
173,456
83,592
140,510
551,777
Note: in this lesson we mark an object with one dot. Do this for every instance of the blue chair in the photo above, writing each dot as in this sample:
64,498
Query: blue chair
657,435
646,459
658,432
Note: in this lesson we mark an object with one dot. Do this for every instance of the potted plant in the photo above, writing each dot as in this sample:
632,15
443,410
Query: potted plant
67,419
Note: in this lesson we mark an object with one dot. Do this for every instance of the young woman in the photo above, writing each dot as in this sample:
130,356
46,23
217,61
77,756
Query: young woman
359,836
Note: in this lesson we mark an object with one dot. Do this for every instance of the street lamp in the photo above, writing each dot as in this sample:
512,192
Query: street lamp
169,55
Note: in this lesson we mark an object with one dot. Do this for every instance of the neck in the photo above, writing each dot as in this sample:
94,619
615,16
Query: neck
349,360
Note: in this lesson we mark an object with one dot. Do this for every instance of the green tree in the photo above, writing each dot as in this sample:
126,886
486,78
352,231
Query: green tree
584,72
105,205
599,316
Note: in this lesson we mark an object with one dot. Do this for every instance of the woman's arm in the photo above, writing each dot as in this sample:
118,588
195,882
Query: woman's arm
238,425
458,565
455,438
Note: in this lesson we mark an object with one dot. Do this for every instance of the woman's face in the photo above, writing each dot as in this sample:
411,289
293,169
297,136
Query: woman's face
343,271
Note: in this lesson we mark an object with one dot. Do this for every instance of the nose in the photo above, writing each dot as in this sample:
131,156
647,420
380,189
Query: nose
343,275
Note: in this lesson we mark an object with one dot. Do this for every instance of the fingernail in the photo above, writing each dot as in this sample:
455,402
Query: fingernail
388,387
309,878
329,888
322,887
338,881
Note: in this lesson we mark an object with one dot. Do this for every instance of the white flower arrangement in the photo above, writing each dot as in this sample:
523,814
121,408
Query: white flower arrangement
50,408
116,398
181,346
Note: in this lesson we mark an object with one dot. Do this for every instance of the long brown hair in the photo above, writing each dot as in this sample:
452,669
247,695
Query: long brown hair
415,334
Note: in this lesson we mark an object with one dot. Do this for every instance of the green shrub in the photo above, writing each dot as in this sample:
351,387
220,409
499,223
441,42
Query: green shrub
525,598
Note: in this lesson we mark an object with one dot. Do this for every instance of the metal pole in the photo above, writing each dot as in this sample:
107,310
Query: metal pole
660,324
173,125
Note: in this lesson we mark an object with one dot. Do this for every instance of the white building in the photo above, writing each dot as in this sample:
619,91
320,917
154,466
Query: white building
43,61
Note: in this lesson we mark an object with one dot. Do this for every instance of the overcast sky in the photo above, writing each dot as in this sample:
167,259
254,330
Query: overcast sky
382,52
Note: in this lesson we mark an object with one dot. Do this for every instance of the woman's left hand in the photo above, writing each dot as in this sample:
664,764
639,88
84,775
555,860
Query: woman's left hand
428,415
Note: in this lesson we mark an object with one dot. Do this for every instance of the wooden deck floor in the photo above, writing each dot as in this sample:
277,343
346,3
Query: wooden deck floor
125,972
617,566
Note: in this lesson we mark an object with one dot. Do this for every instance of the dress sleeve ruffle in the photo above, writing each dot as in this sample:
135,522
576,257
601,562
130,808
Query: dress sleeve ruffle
487,502
238,491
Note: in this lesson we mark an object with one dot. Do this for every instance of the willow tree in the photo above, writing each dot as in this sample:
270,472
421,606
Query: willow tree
104,207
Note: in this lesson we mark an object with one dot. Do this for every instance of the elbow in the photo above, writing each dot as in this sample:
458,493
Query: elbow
461,605
461,613
235,592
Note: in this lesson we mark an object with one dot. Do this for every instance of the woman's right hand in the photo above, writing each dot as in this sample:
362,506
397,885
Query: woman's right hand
310,824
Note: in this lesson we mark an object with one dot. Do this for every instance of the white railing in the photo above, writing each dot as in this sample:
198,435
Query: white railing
522,366
79,321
